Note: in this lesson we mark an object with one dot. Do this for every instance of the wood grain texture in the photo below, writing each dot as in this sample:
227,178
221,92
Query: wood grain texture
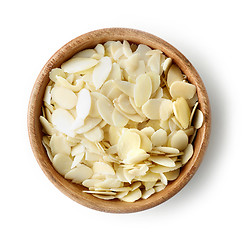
74,191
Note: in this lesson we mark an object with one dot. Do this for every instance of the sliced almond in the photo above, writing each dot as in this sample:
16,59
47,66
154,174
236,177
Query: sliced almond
62,163
163,161
174,74
76,64
83,104
101,71
103,169
188,153
125,105
119,120
198,119
147,193
95,135
79,174
89,123
182,89
135,156
87,53
132,196
59,144
154,63
47,126
162,169
56,72
62,121
148,131
165,109
128,141
159,138
172,175
151,109
182,112
179,140
126,87
105,109
142,89
167,150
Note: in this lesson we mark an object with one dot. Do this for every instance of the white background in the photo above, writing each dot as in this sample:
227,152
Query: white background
212,35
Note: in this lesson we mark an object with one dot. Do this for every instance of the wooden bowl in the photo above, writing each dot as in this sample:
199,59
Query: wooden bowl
74,191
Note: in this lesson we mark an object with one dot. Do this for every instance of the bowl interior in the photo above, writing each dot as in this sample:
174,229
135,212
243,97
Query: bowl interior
90,40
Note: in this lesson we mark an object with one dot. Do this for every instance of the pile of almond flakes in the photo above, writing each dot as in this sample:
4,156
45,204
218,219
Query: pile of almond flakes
120,120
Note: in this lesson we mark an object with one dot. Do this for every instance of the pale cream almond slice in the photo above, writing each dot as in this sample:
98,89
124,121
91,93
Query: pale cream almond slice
103,168
83,104
47,126
105,109
59,144
90,182
77,64
163,179
159,188
62,120
135,186
141,69
139,171
132,196
62,163
120,174
179,140
49,107
125,87
177,123
48,151
109,183
89,145
47,95
95,135
101,71
198,119
77,159
107,87
191,102
154,63
147,193
142,90
189,131
188,153
162,169
121,194
149,177
120,189
142,52
87,53
172,125
114,93
172,175
170,150
132,63
48,114
56,72
128,141
182,89
91,156
75,88
126,49
158,93
125,105
116,72
100,49
112,149
104,197
119,120
137,109
64,97
135,156
174,74
151,109
146,143
192,113
165,125
166,109
182,112
94,110
166,65
116,50
149,185
101,193
159,138
114,135
132,117
89,124
148,131
155,124
163,161
128,176
79,174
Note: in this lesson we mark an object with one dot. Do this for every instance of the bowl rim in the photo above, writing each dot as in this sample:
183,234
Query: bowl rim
66,52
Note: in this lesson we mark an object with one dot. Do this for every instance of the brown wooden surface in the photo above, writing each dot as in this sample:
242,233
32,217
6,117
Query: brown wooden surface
74,191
